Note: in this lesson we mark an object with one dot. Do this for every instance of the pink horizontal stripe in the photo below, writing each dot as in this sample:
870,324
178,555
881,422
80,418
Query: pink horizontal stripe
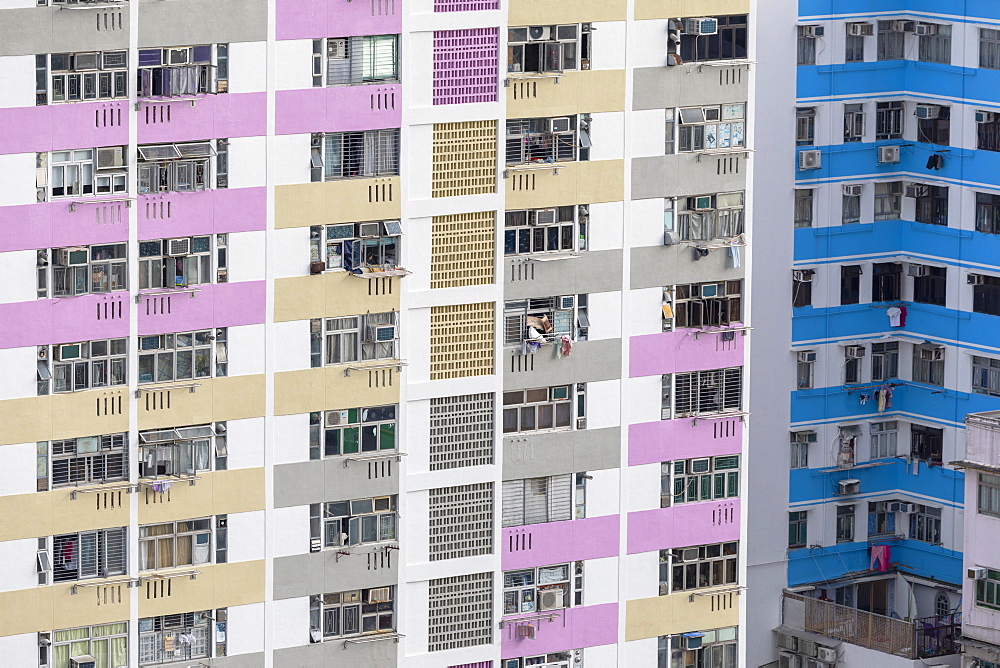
338,109
301,19
213,117
555,542
64,320
221,305
679,351
57,127
684,525
205,212
53,225
666,440
573,628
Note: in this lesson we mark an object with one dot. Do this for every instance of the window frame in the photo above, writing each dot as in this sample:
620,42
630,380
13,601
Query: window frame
567,233
198,534
325,608
82,372
568,51
935,48
526,596
382,517
525,416
925,524
729,43
103,76
208,350
555,493
846,522
328,431
723,218
104,271
699,479
805,126
885,360
888,200
342,246
718,128
201,265
986,375
176,167
354,339
988,494
798,528
108,549
153,632
195,75
361,154
327,72
198,446
707,570
691,406
103,459
889,119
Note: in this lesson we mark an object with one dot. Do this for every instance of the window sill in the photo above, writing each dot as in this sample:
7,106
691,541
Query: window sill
93,488
56,393
190,478
348,550
193,101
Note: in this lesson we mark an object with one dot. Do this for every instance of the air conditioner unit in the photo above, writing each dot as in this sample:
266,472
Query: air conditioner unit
538,33
802,275
581,423
670,238
689,554
380,595
703,203
179,56
810,160
369,230
70,257
179,246
985,117
789,660
788,642
916,270
805,437
69,351
975,279
807,356
382,333
927,111
82,662
854,352
317,267
560,124
336,418
888,155
976,573
315,544
702,26
110,157
544,217
692,641
917,190
816,663
900,507
925,29
566,302
811,31
826,654
852,190
860,29
551,599
848,486
336,48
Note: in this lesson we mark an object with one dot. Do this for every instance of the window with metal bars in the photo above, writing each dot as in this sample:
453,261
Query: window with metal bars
546,140
178,637
352,613
889,120
345,61
89,554
353,155
84,460
82,270
699,479
176,167
182,70
538,500
544,320
708,392
715,304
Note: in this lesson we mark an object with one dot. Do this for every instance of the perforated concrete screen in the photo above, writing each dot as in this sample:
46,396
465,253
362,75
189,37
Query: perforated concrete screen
461,521
465,65
460,612
462,249
464,159
462,340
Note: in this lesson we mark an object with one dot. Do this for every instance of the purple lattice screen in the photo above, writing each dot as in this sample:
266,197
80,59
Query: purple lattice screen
465,65
480,664
465,5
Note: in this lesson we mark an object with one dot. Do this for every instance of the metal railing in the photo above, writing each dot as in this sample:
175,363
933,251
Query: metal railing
918,639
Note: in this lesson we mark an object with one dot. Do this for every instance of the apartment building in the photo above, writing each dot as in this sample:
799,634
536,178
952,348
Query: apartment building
886,192
373,333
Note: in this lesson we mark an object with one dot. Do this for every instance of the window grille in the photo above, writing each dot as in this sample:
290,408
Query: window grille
461,521
349,155
708,392
545,140
461,431
178,452
89,554
460,612
538,500
352,613
177,637
356,60
88,460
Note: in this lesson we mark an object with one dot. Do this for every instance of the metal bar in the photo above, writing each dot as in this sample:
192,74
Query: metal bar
174,291
157,388
374,638
104,200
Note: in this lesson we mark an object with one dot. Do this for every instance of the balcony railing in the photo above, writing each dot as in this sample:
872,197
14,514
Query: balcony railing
918,639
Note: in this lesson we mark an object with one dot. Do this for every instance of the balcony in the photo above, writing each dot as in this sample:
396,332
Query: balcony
200,307
922,638
555,542
555,630
684,524
564,93
685,350
667,440
589,361
164,120
373,106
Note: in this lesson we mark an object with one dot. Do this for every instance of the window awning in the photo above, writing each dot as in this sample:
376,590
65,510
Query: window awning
160,152
197,150
179,434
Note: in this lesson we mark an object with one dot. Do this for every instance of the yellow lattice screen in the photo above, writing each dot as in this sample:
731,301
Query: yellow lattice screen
462,249
461,340
465,159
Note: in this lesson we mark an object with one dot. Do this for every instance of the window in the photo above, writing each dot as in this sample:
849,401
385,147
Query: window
545,230
86,460
805,366
881,520
182,451
538,409
986,375
107,644
804,207
81,366
356,246
352,431
542,589
551,660
935,47
988,213
925,524
546,140
805,126
730,43
89,554
170,544
889,120
928,364
852,363
930,285
183,356
935,130
988,590
178,637
708,217
845,524
700,479
373,336
175,167
82,270
359,521
547,48
179,70
802,281
716,304
854,122
986,294
988,494
351,613
538,500
851,209
891,40
711,128
688,568
988,134
356,60
797,528
926,443
854,49
77,77
888,200
800,452
72,174
932,205
850,284
708,392
178,263
887,281
351,155
885,361
989,48
544,320
718,649
806,53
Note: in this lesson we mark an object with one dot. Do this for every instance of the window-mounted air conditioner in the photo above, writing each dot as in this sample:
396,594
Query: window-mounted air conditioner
336,48
927,111
178,56
811,31
544,217
788,642
806,356
381,333
82,662
888,155
826,654
985,117
178,246
789,660
581,423
802,275
70,257
848,486
703,203
805,437
900,507
566,302
551,599
70,351
976,573
560,124
916,190
692,641
380,595
110,157
853,190
975,279
854,352
315,545
860,29
689,554
670,238
916,270
701,26
926,29
810,160
539,33
369,230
